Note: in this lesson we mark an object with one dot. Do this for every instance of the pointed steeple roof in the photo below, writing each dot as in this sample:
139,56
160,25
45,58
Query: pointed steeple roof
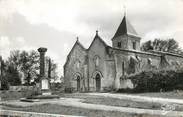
125,28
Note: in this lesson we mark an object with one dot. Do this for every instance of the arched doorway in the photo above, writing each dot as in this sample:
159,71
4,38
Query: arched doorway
78,83
98,82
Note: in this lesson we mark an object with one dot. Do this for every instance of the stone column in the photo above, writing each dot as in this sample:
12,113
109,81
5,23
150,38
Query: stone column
42,52
44,80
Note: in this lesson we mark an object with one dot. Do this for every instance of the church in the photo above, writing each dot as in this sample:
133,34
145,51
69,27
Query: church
104,68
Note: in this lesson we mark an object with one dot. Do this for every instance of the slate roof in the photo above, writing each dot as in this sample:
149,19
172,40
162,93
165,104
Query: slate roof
125,28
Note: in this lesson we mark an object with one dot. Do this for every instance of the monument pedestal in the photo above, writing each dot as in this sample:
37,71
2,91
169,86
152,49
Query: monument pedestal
44,83
45,86
46,92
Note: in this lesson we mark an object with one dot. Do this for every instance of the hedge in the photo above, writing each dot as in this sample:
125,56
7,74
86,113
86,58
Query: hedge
155,81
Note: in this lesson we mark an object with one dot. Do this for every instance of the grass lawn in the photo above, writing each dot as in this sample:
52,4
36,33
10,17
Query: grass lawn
65,110
172,94
13,95
118,102
58,109
114,102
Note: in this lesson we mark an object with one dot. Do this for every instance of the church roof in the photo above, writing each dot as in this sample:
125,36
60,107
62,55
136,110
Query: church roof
125,28
97,37
76,43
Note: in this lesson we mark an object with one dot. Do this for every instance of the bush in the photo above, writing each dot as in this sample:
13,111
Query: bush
4,85
155,81
57,86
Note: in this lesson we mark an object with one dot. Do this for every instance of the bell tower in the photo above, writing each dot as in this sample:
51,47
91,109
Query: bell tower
126,37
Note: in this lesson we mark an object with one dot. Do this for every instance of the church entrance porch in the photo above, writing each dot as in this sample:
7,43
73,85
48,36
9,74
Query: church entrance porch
98,82
77,82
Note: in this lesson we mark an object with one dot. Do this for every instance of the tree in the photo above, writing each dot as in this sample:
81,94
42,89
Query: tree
12,75
51,69
29,65
4,80
14,59
169,45
23,62
11,69
147,46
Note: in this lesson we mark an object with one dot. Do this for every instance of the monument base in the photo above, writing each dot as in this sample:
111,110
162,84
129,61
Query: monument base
39,97
46,92
29,100
45,86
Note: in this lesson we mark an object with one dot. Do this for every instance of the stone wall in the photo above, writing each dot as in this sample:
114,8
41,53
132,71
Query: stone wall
142,58
175,61
123,39
126,42
123,68
97,49
132,39
21,88
75,65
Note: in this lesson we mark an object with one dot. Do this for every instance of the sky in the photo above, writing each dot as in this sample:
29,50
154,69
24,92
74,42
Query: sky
55,24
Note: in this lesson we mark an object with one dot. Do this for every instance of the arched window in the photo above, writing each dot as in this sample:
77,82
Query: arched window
96,60
77,64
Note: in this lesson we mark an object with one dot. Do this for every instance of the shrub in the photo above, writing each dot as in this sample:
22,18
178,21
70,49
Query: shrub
4,85
57,86
155,81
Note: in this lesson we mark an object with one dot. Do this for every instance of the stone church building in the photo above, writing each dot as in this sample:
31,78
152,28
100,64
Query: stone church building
103,68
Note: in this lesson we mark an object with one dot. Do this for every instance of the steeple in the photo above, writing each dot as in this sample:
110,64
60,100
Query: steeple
126,37
125,28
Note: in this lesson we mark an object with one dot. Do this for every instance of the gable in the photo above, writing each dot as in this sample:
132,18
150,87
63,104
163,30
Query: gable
97,47
76,52
97,41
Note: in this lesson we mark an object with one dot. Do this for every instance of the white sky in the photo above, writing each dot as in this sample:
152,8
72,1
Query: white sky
29,24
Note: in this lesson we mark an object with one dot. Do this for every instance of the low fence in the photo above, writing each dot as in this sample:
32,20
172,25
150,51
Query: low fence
10,113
